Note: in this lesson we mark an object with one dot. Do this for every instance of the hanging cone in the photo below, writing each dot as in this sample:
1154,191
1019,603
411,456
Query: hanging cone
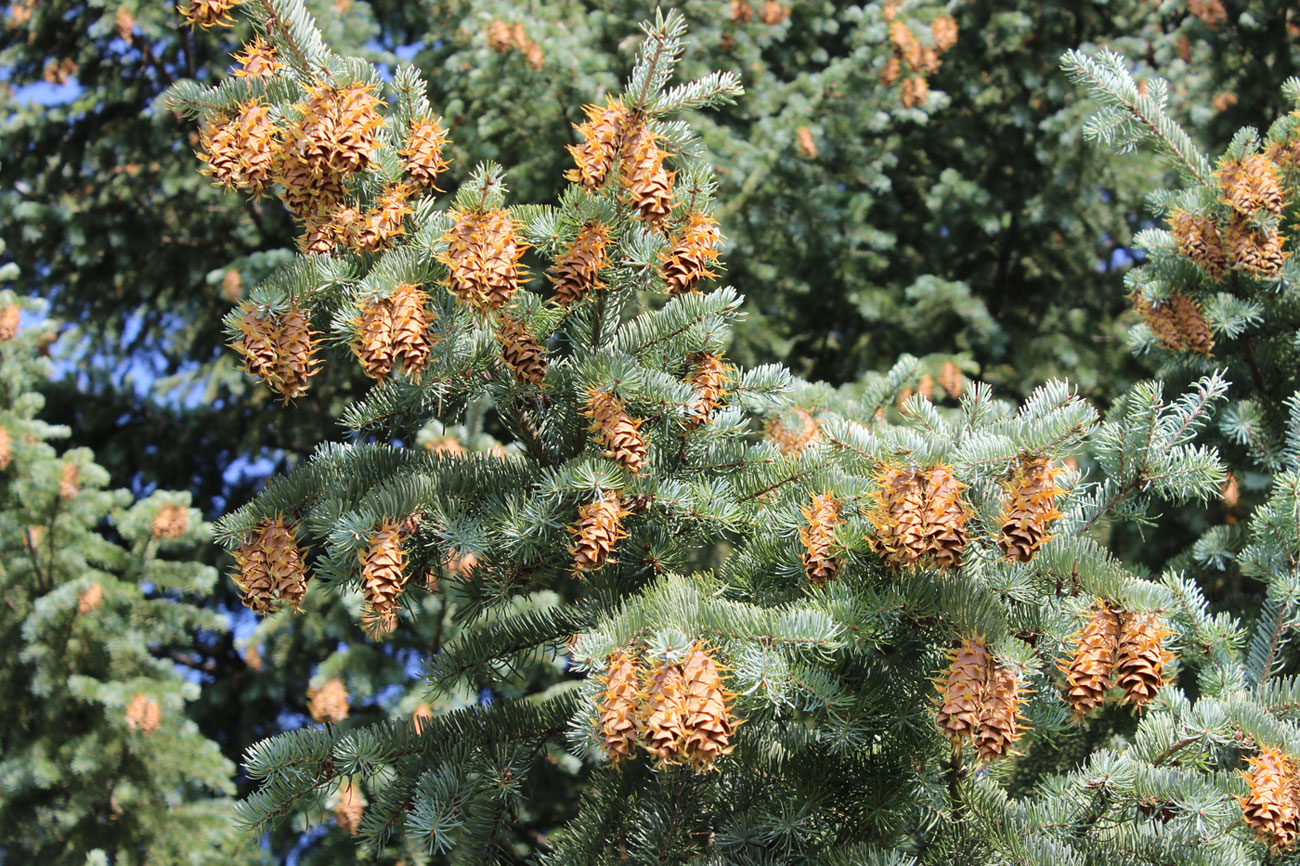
1250,185
616,431
10,316
1270,807
618,706
575,273
598,529
348,809
252,578
171,521
603,134
258,59
384,222
383,577
919,518
964,691
242,152
706,711
1139,659
482,258
284,561
792,435
208,13
1028,506
649,187
1088,673
521,351
410,341
1000,721
373,345
143,714
818,536
294,347
709,379
422,155
329,703
686,261
663,722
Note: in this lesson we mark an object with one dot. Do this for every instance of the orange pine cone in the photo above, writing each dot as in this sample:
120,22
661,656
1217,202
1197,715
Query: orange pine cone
944,31
964,691
1000,720
294,345
482,257
1028,505
818,536
90,599
379,225
709,379
686,262
706,711
599,528
171,521
329,232
1177,323
143,714
951,379
338,132
329,703
242,152
374,341
575,273
258,59
1271,807
618,706
521,352
914,92
411,341
284,561
307,192
348,809
663,720
208,13
603,134
383,576
1199,240
919,518
252,578
1256,252
1139,658
1089,672
258,342
649,187
1251,184
791,436
422,155
10,316
616,431
69,481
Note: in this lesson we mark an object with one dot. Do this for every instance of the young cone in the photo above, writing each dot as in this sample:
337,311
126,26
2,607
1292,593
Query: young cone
1199,240
253,578
1000,720
663,723
618,706
649,186
709,379
575,273
348,809
686,261
1139,658
603,134
1088,673
919,518
823,517
410,340
284,561
1272,805
521,352
1028,506
383,577
964,691
294,348
422,155
616,431
598,529
706,711
374,341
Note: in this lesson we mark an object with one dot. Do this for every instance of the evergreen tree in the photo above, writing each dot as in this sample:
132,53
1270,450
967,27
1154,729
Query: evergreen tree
100,762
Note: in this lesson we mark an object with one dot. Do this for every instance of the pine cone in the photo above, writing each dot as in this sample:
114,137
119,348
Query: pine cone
1251,184
1271,807
1089,672
944,31
1000,720
309,190
964,692
10,317
616,431
383,577
379,225
1177,323
914,92
422,154
284,561
598,529
253,579
521,352
69,481
411,343
294,349
258,59
706,711
89,599
575,273
618,706
603,134
421,716
663,720
374,341
792,435
6,448
143,714
208,13
818,536
348,809
483,258
686,262
171,521
1255,252
242,152
1139,659
919,518
257,345
327,233
1028,505
807,145
329,703
338,132
649,186
709,379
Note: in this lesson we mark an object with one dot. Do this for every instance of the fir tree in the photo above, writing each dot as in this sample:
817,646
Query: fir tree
101,762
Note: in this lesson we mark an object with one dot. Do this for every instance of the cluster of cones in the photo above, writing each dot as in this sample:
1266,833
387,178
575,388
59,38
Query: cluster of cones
392,333
678,713
503,37
770,13
1116,648
1177,323
916,57
170,522
980,700
270,567
278,347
